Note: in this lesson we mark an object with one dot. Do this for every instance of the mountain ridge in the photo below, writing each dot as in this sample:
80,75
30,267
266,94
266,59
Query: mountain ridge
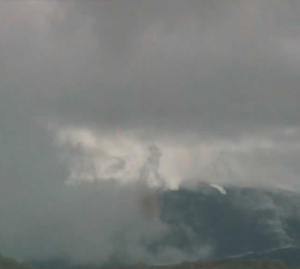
207,223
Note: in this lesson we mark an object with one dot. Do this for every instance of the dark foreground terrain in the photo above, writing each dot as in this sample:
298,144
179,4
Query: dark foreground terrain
8,263
235,222
244,227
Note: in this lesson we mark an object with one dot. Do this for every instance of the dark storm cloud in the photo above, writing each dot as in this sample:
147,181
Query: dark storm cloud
200,65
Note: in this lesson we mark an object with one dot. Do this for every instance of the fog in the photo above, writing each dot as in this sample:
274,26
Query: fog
105,103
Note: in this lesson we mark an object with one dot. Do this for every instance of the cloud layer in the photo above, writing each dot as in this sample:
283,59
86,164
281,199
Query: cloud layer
133,94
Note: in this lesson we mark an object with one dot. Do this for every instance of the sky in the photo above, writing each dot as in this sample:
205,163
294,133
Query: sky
101,102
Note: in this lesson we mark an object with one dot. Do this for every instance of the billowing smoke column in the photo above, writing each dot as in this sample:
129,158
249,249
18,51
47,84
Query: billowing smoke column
149,201
44,217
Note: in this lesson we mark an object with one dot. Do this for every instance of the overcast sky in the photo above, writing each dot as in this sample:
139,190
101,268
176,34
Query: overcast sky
164,90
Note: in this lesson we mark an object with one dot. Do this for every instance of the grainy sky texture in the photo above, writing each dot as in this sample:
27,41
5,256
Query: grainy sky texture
131,91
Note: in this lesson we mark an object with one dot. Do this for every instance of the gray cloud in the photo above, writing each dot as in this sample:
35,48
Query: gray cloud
200,66
203,79
45,217
216,68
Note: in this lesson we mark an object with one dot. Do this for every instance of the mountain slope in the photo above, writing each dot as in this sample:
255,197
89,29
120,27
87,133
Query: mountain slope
239,220
217,222
289,255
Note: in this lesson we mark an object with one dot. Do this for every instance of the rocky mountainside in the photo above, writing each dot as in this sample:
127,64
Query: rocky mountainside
289,255
220,222
231,221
